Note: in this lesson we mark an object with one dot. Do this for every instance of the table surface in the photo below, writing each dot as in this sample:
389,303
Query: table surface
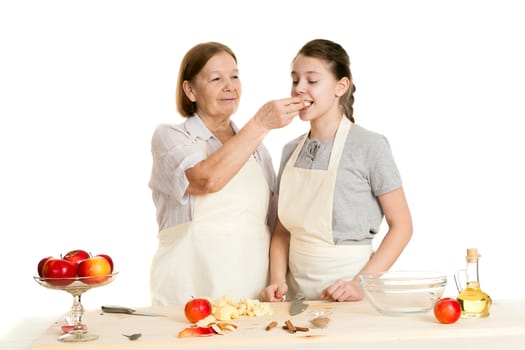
351,323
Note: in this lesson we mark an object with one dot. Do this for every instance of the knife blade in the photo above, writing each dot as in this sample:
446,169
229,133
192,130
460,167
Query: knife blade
114,309
298,305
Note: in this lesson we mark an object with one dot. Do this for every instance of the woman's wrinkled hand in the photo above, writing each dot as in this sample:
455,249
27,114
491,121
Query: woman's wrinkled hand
274,292
278,113
343,291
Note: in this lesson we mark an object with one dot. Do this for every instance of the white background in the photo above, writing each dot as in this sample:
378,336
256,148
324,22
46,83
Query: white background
83,85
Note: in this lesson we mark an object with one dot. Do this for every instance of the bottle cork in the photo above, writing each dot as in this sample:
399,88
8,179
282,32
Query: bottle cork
472,255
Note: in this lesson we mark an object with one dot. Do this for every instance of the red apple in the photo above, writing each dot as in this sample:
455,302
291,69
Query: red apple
197,309
108,258
75,256
447,310
59,272
41,265
94,270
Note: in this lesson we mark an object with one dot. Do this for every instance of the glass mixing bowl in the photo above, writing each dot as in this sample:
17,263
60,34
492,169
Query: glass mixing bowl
403,292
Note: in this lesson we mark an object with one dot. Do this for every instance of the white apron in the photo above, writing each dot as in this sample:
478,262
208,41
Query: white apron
223,250
305,209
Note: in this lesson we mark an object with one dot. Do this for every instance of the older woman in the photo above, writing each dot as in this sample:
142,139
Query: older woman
212,185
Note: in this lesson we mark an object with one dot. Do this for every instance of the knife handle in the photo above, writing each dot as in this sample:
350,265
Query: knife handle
113,309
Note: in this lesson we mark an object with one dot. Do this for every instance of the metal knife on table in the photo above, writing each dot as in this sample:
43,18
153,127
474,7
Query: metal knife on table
298,304
114,309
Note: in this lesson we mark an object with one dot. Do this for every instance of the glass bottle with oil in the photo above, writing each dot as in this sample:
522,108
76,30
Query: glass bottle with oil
474,302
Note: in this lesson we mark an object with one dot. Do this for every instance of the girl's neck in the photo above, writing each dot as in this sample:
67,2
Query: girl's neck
324,129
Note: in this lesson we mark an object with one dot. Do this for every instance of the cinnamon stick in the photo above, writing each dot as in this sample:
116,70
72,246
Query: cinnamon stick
271,325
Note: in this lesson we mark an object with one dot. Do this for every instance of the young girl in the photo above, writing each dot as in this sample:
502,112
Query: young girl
336,184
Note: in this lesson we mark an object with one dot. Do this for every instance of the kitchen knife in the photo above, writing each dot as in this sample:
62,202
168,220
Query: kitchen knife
298,305
113,309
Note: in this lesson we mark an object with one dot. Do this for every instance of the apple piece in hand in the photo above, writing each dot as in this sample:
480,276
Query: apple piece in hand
94,270
59,271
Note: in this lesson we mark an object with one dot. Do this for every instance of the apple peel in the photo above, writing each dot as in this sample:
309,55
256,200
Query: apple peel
225,326
69,328
196,332
214,328
217,329
206,321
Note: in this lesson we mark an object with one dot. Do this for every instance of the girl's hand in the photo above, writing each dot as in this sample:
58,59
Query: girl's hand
343,291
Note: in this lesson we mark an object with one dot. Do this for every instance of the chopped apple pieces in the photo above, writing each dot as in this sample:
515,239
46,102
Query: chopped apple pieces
226,309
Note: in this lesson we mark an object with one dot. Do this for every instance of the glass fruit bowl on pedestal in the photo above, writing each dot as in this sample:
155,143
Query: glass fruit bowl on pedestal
76,286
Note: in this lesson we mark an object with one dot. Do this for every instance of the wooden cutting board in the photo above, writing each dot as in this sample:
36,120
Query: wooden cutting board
352,324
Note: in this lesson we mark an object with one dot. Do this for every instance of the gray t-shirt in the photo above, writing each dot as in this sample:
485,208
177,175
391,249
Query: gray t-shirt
366,170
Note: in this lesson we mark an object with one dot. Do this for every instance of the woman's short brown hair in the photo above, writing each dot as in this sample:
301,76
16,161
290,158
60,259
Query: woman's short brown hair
192,63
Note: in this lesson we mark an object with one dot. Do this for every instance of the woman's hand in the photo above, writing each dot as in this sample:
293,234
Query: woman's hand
343,291
274,292
278,113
